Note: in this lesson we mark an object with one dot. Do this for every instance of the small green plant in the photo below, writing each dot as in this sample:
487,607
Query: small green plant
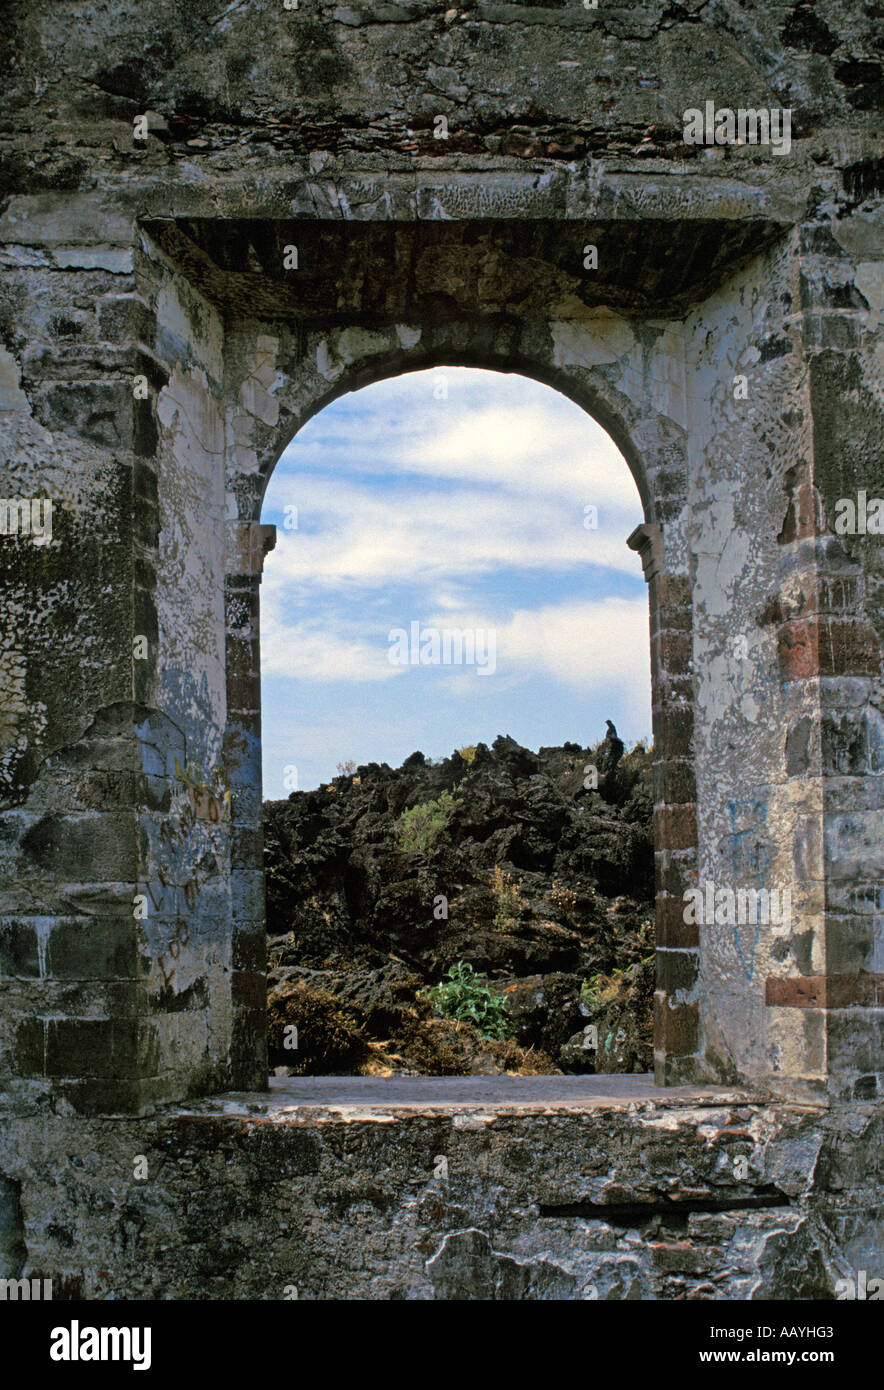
468,753
467,997
423,826
591,991
508,899
602,989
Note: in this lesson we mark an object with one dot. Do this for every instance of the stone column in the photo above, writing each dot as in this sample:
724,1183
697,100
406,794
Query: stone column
827,645
676,1010
248,543
74,1019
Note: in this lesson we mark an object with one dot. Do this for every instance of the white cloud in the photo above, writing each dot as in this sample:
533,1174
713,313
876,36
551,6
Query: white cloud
313,650
531,449
590,645
354,534
504,430
393,485
599,646
411,508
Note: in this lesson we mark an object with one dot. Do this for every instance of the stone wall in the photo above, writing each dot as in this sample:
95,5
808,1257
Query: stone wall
701,1197
440,173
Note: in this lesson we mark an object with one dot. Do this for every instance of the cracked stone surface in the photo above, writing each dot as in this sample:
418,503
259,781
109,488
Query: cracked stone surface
345,1195
156,359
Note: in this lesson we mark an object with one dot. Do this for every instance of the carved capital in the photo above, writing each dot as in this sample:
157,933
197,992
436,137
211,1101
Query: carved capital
647,540
247,544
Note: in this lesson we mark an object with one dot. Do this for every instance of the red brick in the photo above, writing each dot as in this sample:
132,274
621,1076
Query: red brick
672,929
675,1029
817,646
825,991
796,991
798,650
675,827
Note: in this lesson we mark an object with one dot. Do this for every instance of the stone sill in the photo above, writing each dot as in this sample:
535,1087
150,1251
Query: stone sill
372,1097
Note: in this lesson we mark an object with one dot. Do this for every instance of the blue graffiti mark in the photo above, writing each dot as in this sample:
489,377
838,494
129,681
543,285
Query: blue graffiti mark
190,703
188,848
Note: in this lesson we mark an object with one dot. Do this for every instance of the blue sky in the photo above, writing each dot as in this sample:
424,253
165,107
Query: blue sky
455,499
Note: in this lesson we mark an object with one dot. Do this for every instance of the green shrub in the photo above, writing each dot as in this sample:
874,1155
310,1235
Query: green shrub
421,827
468,998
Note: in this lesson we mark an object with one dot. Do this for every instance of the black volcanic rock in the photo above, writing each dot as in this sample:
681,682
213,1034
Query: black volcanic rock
547,885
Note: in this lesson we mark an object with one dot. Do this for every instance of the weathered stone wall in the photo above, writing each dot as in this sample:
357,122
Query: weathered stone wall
184,939
156,355
711,1197
549,80
71,767
837,622
756,829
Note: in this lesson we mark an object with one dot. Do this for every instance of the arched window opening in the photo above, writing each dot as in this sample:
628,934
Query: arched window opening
456,738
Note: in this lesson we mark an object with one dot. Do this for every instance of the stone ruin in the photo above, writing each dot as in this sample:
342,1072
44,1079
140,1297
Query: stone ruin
214,222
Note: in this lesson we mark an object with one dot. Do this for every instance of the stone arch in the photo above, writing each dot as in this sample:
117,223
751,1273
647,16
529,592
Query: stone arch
321,368
653,445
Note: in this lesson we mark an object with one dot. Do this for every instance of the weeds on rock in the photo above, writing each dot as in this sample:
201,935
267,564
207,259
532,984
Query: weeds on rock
619,1006
601,989
508,897
311,1034
565,900
467,997
353,885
